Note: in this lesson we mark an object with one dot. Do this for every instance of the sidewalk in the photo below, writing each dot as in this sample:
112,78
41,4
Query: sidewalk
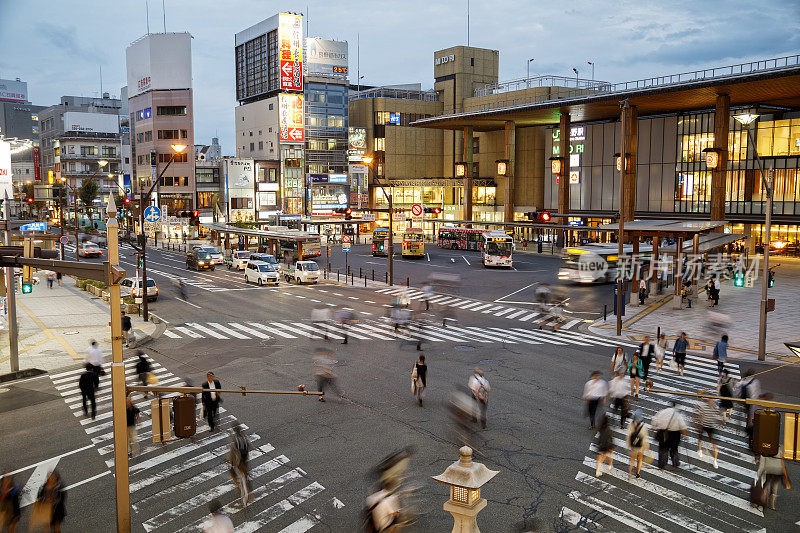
56,325
740,304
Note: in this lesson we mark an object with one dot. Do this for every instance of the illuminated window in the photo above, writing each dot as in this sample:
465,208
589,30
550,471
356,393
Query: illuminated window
380,144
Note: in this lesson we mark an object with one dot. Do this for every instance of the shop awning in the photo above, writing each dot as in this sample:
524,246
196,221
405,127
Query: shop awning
672,229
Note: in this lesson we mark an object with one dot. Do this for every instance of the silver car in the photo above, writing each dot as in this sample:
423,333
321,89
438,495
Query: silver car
216,256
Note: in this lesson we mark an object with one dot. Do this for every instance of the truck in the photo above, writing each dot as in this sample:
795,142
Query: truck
302,272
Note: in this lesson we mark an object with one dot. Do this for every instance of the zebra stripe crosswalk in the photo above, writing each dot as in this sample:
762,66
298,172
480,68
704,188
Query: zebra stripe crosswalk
194,471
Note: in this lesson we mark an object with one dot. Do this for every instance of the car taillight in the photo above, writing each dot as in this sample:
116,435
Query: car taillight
373,246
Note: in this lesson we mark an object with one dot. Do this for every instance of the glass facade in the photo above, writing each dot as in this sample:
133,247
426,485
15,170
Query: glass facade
326,128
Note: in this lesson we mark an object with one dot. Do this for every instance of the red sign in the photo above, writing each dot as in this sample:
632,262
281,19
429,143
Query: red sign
346,239
291,118
37,173
416,210
290,42
144,82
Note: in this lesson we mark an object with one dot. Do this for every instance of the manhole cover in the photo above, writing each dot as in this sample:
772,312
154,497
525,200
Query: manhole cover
71,332
489,362
464,348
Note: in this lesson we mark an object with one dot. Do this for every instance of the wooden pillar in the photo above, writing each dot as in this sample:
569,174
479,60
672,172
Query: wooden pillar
695,251
676,299
654,273
631,134
721,127
634,274
563,153
467,185
511,156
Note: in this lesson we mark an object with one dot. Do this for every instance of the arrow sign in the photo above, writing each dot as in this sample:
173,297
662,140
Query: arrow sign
152,213
287,69
295,133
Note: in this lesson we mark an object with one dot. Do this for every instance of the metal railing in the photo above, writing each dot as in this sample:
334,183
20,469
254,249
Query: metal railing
385,92
584,88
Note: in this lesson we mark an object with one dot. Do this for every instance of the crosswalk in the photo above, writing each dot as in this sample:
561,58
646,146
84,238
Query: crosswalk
695,497
378,329
542,319
171,484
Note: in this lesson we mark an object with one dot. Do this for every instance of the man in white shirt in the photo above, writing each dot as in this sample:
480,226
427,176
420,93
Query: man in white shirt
618,391
594,392
480,391
95,358
321,316
669,425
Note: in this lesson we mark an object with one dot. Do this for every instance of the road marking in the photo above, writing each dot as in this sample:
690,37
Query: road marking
206,330
516,291
616,513
465,260
492,309
483,306
428,256
516,314
171,335
228,331
40,473
190,303
311,519
585,524
504,311
249,330
87,480
571,323
473,304
272,330
279,508
189,333
525,319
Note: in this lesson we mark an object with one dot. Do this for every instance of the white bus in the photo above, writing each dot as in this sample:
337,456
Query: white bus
497,249
590,263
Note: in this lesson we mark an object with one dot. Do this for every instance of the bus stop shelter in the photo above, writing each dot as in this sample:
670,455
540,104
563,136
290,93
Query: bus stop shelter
300,243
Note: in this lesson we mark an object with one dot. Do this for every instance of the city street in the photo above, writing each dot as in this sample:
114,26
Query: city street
310,462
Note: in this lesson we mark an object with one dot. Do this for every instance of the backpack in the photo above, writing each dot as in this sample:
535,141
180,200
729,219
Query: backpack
636,440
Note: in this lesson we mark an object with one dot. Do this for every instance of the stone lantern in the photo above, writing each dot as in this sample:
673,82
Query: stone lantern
465,480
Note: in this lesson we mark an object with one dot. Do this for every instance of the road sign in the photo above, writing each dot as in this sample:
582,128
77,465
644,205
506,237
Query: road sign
152,213
64,239
748,280
345,246
345,239
368,217
34,226
416,210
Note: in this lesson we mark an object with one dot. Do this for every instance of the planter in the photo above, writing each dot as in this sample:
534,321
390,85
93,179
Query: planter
105,295
131,309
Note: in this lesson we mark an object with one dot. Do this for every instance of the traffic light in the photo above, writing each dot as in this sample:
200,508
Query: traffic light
27,287
194,219
127,200
27,271
538,216
544,216
348,214
433,210
771,279
738,279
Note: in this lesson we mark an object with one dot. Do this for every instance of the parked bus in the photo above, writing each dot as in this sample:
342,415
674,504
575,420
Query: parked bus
455,238
380,242
413,246
497,249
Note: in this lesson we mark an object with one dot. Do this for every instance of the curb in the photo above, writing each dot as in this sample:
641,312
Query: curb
21,374
161,326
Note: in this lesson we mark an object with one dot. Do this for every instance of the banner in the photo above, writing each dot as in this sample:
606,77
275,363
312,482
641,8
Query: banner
6,186
290,114
290,47
37,171
324,56
357,143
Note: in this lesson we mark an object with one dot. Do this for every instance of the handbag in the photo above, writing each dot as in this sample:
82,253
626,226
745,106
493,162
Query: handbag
672,364
414,372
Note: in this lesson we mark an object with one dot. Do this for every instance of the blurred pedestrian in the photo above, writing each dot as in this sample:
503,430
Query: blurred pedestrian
619,393
345,318
217,522
9,504
669,425
642,291
646,352
50,503
679,351
638,441
660,349
635,373
725,391
717,289
143,370
321,317
58,278
211,399
323,372
721,353
594,393
132,413
418,378
480,391
707,420
238,455
771,471
427,294
94,357
605,445
619,362
127,326
50,279
88,383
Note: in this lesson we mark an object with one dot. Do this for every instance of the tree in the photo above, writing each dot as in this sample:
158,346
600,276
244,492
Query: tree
87,195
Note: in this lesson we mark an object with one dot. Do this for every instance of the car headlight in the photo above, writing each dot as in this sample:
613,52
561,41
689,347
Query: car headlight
201,263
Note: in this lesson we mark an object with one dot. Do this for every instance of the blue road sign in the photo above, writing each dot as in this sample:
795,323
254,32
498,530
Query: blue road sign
64,239
34,226
346,247
152,213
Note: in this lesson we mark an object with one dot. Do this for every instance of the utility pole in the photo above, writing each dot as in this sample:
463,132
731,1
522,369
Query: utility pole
11,296
391,238
620,235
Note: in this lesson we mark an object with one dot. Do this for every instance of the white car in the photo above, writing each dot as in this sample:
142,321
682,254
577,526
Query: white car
302,272
130,287
216,257
239,260
89,249
260,272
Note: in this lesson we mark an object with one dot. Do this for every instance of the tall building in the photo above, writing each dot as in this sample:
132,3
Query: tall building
161,114
208,165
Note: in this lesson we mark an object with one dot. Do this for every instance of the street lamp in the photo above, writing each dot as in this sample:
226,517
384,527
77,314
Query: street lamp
575,70
746,119
592,64
712,157
529,67
368,160
502,167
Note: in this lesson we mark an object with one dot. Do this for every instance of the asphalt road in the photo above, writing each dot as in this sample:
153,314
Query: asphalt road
312,460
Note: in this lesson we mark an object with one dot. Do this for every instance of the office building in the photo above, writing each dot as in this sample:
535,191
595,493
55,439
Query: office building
208,167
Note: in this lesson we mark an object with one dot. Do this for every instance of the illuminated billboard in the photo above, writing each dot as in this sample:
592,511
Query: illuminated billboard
290,48
292,120
324,56
357,143
5,170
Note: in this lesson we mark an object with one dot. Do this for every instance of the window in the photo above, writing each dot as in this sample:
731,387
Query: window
88,150
252,147
109,151
260,145
168,134
140,137
251,134
472,61
205,200
241,203
179,158
148,136
184,134
382,117
270,108
476,145
259,133
176,181
171,110
380,144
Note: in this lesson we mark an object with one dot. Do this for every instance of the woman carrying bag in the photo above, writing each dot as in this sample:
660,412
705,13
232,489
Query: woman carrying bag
635,371
418,375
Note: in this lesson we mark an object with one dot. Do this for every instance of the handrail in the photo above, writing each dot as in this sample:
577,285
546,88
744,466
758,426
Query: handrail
386,92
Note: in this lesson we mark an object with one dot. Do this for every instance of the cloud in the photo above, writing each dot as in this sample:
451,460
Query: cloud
64,40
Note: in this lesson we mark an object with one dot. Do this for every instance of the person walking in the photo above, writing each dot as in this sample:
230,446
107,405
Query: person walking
725,391
94,357
321,317
217,522
418,378
642,291
717,289
51,499
660,349
323,373
635,373
646,350
10,511
143,371
619,394
669,425
638,441
594,393
211,399
127,326
50,279
619,362
345,318
771,471
605,445
88,384
480,391
721,353
707,420
427,294
238,455
132,413
58,278
749,387
679,352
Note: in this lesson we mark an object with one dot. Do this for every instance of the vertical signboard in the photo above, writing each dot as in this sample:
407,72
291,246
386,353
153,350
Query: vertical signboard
37,173
290,47
5,170
357,143
292,121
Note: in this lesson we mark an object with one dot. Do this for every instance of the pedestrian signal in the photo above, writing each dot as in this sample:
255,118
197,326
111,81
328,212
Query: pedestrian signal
738,279
771,279
27,287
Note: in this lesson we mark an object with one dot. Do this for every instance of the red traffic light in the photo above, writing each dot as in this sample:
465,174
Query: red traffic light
30,200
127,200
348,211
545,217
437,210
197,213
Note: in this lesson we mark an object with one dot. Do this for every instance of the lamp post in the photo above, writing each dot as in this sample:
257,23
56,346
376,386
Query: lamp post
176,149
592,64
746,119
529,67
575,70
465,480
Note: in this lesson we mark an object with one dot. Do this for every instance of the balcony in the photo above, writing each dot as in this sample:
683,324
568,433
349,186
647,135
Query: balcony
89,157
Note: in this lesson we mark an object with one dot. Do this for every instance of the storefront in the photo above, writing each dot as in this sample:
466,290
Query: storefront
328,193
